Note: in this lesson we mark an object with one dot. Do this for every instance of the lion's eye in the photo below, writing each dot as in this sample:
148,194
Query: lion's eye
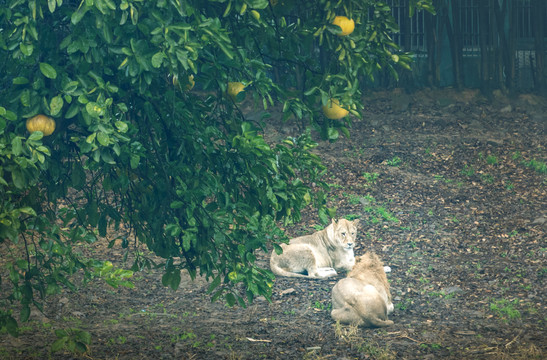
344,234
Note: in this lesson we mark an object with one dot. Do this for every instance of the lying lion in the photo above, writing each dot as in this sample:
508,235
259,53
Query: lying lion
320,254
363,298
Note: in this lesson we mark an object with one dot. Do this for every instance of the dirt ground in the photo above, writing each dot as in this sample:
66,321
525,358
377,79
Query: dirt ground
450,188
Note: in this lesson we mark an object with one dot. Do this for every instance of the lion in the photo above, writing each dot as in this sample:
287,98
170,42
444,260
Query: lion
320,254
363,297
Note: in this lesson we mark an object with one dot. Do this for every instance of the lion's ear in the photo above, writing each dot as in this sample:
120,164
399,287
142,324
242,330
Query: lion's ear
356,222
330,230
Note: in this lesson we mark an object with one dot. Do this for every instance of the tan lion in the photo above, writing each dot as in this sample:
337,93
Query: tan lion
363,297
320,254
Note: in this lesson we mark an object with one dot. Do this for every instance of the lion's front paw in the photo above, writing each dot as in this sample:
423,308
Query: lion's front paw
326,272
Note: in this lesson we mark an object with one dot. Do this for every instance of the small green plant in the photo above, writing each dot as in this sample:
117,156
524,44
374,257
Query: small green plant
487,178
517,155
334,186
185,335
352,217
442,294
371,178
352,198
403,304
379,212
395,161
505,309
536,165
320,306
468,171
491,160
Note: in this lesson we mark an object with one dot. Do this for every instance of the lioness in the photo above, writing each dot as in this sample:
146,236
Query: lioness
320,254
363,298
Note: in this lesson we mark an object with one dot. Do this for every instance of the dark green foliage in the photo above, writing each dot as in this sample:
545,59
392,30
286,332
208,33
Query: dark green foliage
183,171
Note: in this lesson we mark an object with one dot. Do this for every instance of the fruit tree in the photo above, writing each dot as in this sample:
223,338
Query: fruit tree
147,143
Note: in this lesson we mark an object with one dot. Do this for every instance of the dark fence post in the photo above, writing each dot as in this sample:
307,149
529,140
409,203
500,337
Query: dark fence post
538,16
485,47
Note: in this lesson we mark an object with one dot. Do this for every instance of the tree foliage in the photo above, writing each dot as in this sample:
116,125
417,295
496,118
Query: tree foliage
181,170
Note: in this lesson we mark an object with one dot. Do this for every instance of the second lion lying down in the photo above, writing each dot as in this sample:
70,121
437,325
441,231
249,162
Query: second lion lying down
320,254
363,297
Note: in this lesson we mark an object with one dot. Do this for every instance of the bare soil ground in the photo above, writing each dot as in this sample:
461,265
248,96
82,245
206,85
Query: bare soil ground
452,196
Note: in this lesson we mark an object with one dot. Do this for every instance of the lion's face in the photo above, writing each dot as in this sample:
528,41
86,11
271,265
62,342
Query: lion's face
345,232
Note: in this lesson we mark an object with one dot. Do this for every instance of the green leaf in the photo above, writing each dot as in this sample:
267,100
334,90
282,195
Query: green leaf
157,59
35,136
20,80
29,211
214,284
103,138
72,111
103,223
48,70
78,15
332,133
16,146
56,105
175,280
26,49
58,344
134,161
51,4
121,126
25,313
10,324
94,109
230,299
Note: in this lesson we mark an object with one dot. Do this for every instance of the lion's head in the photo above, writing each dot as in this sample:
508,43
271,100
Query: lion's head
343,233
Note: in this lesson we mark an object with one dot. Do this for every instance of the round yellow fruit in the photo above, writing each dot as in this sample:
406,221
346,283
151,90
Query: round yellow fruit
234,88
347,25
42,123
333,110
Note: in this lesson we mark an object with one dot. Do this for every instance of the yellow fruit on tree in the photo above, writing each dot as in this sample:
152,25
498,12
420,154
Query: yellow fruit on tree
235,88
333,110
42,123
347,25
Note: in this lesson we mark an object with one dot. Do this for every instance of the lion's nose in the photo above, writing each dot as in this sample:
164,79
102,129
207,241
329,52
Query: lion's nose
350,244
